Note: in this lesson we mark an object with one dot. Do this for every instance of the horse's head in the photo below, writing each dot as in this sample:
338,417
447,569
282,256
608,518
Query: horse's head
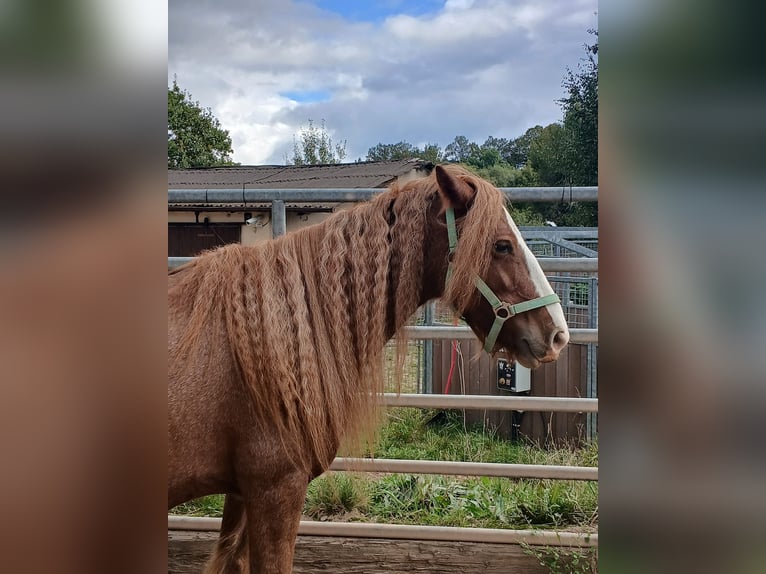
491,276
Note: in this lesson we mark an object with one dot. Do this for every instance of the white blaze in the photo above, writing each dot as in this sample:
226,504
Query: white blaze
538,277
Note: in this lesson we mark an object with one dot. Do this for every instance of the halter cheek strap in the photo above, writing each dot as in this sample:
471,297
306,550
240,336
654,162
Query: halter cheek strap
503,311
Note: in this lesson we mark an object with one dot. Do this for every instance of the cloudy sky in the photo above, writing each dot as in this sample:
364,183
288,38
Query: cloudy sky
379,71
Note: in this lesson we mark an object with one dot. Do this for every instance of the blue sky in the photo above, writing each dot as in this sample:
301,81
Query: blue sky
307,96
378,10
376,72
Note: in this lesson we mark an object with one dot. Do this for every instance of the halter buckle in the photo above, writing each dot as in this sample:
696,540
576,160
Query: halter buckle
504,311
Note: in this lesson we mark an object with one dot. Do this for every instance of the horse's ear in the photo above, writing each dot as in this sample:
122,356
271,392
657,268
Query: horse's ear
457,191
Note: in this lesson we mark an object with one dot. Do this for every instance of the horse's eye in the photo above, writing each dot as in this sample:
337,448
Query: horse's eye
504,247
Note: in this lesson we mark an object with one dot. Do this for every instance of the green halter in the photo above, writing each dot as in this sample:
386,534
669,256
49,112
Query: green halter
503,311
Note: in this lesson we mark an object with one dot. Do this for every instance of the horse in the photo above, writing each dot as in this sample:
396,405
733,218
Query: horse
276,350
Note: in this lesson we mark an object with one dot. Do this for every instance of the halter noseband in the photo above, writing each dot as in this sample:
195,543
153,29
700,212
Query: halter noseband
503,311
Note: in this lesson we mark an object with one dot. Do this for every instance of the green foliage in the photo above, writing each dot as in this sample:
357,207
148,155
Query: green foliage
504,175
404,150
392,152
502,145
566,153
564,213
580,108
518,149
432,153
336,493
206,506
564,560
482,502
548,155
441,435
493,152
460,150
484,157
195,136
525,214
316,147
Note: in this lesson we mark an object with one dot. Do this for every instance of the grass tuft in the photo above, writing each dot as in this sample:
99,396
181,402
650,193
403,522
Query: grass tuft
336,494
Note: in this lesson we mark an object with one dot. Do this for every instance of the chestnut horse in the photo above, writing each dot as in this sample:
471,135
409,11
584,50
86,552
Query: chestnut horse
276,350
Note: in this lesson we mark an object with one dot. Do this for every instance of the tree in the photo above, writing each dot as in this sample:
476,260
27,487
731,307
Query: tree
505,175
404,150
501,145
392,152
483,156
580,108
460,149
432,153
316,147
549,156
195,136
518,149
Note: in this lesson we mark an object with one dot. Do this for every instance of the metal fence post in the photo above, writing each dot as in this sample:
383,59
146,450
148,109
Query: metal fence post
591,382
428,351
278,217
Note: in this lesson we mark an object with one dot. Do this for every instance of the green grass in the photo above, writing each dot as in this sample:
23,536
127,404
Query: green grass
441,435
206,506
336,494
480,502
563,560
449,501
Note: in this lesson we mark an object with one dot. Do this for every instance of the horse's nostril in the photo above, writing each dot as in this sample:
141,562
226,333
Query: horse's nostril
559,340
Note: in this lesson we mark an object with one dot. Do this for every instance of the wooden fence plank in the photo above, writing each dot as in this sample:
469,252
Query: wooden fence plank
188,552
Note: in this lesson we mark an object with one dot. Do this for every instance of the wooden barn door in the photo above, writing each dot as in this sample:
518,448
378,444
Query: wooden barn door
188,239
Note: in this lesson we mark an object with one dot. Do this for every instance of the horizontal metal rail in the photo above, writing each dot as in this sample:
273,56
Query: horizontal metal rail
441,332
174,262
410,532
569,264
484,402
547,471
537,233
548,264
341,195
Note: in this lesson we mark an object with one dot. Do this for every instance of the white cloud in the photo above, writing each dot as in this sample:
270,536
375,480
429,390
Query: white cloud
479,68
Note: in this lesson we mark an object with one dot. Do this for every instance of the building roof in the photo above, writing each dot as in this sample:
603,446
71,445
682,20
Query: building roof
344,175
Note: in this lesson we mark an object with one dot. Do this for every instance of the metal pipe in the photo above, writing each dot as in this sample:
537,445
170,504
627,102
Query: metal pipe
342,195
551,194
278,218
534,232
238,196
174,262
549,264
570,264
548,471
410,532
495,403
428,351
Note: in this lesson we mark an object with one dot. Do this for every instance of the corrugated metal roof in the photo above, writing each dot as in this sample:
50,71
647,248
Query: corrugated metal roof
348,175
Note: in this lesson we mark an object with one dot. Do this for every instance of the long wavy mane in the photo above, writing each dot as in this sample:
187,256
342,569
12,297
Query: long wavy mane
307,315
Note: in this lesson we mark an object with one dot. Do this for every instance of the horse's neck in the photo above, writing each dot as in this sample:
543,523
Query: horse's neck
399,305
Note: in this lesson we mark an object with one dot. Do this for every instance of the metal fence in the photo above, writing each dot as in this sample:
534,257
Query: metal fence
409,532
400,531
